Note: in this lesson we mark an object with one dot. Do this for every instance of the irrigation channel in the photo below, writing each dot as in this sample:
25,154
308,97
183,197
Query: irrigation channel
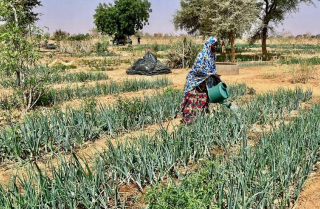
267,175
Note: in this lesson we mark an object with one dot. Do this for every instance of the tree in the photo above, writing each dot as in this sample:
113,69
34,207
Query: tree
60,35
19,52
273,11
188,18
26,15
230,18
123,18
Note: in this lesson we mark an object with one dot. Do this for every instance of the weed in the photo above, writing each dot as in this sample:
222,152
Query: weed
268,75
303,73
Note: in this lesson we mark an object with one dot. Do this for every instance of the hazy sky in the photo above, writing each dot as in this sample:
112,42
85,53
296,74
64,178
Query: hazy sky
76,16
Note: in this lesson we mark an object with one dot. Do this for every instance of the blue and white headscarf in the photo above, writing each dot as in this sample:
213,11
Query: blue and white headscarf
203,67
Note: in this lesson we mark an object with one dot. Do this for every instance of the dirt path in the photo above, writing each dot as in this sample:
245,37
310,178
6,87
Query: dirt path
255,77
310,195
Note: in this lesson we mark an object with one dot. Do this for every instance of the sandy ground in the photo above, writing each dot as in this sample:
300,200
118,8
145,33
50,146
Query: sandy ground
255,77
310,195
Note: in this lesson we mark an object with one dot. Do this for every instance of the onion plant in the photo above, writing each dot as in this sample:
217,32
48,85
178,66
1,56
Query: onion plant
272,106
102,89
249,178
55,96
77,77
269,175
54,129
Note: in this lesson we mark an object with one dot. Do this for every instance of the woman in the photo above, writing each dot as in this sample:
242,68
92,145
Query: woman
202,74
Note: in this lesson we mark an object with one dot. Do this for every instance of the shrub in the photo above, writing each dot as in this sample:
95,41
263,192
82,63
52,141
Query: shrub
102,46
60,35
79,37
182,54
303,73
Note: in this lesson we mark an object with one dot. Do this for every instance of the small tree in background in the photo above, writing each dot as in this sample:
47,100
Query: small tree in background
123,18
60,35
230,18
19,52
26,15
273,11
188,18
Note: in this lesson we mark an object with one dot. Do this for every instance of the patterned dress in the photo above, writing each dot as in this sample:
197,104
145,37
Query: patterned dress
195,99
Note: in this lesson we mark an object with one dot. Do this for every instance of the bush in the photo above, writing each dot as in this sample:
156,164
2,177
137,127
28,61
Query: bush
182,54
101,47
60,35
79,37
303,73
156,47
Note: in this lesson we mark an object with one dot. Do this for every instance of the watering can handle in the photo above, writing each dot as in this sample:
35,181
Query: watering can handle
216,78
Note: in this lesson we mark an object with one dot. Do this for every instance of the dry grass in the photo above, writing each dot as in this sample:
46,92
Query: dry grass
303,73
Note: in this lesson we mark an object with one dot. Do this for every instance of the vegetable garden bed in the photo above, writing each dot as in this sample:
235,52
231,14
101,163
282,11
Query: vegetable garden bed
243,179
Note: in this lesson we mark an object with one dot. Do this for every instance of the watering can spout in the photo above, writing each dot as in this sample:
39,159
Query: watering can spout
227,104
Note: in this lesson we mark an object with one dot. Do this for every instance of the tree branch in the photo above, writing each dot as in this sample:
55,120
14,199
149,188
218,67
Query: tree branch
15,15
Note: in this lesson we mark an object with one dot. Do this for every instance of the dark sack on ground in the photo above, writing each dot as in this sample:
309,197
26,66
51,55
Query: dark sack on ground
149,65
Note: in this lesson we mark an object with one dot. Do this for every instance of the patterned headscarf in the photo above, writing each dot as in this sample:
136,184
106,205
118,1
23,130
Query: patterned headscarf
203,67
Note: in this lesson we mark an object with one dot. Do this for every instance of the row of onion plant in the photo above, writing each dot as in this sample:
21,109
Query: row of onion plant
185,144
57,129
55,96
77,77
269,175
72,77
143,161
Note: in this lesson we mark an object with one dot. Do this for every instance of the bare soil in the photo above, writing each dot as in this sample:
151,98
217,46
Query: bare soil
310,195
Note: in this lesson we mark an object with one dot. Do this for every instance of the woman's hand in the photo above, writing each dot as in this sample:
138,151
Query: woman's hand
217,78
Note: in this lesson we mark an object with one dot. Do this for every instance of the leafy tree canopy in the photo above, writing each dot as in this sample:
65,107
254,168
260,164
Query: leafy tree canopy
125,17
19,51
213,17
188,18
229,18
26,16
273,11
219,18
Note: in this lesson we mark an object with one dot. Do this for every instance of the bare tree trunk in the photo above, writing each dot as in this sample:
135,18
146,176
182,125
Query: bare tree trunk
264,43
233,52
18,75
18,81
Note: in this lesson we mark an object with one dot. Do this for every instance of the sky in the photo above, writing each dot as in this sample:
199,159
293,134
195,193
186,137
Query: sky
76,16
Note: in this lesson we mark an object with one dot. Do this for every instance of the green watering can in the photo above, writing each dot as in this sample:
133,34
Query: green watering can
218,93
